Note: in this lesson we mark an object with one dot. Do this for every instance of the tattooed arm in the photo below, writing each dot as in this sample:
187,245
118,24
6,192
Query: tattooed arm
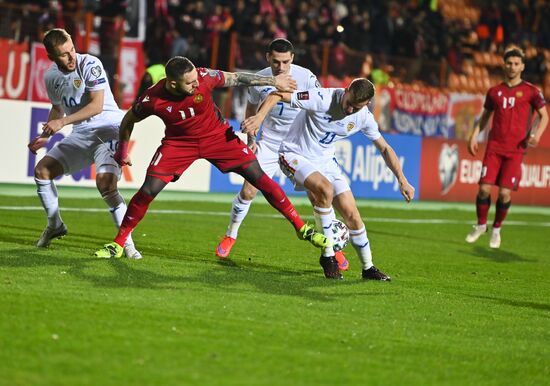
282,82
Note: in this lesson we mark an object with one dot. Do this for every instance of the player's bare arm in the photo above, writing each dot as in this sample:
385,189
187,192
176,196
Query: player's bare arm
536,134
126,127
282,82
392,162
56,112
252,124
94,107
251,109
481,125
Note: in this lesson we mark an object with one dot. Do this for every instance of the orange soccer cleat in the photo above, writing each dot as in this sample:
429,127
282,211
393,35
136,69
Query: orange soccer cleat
224,247
343,263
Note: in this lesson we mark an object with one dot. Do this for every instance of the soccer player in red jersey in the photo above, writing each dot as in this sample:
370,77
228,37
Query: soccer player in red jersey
512,104
195,129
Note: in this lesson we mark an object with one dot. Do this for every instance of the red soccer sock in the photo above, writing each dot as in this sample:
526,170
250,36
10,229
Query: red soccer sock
278,199
136,210
501,212
482,209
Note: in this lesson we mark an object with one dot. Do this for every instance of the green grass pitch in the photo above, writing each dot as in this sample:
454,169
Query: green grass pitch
454,314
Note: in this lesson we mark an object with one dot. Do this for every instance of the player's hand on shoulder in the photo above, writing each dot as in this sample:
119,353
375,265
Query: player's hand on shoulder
285,82
251,125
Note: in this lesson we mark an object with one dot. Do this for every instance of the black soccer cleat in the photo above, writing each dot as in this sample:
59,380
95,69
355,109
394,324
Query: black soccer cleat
330,267
374,273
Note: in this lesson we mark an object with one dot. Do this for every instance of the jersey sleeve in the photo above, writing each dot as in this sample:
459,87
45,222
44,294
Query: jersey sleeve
143,106
93,74
212,78
315,99
489,103
370,127
312,81
537,99
49,80
253,96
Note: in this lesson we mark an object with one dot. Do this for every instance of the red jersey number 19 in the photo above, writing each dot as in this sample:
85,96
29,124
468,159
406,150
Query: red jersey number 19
508,102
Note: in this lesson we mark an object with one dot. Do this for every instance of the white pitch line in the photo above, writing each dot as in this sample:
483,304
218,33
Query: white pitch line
275,215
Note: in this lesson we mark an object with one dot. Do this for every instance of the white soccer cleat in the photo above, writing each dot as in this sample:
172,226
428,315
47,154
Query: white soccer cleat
131,252
476,233
49,234
495,240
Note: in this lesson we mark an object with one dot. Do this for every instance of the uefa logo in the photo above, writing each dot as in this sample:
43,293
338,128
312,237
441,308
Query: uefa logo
448,167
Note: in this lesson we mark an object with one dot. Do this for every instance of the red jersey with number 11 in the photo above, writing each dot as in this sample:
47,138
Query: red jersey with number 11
513,109
186,117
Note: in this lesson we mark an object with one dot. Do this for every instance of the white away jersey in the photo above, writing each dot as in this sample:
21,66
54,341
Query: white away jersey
322,122
277,122
70,90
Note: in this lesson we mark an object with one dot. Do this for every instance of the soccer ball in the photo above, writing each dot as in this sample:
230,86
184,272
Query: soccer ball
340,235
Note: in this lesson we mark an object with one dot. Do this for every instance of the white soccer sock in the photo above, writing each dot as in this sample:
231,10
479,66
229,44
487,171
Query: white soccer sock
239,210
47,192
361,243
326,215
117,207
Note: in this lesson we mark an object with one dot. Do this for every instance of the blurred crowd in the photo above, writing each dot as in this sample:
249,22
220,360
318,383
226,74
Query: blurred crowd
425,30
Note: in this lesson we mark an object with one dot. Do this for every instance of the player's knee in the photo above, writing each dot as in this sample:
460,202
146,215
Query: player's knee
504,197
248,192
484,192
106,183
42,172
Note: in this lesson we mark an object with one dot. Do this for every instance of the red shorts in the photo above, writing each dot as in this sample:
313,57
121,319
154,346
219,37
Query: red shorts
226,151
503,170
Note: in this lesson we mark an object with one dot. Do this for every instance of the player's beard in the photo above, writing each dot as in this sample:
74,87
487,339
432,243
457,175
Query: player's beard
64,68
180,91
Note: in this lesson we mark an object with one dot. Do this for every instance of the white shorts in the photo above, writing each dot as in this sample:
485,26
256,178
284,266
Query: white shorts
79,150
268,158
299,168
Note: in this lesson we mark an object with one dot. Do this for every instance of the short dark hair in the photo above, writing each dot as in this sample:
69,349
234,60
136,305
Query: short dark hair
517,52
54,38
280,45
178,66
361,89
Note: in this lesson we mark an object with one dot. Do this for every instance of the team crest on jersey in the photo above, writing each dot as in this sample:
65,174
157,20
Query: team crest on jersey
77,83
350,126
519,94
303,96
198,98
96,71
